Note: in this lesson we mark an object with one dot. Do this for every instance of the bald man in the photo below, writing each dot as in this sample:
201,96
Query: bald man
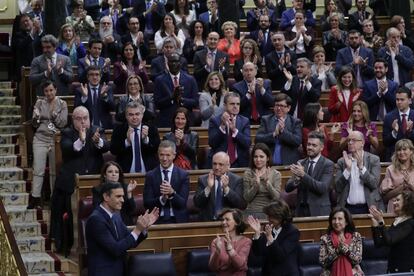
357,177
219,189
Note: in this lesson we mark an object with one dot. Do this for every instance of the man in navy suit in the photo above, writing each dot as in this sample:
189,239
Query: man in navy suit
135,144
281,132
263,36
230,132
219,189
209,60
94,58
37,12
379,93
159,64
137,38
356,56
211,17
255,94
253,16
107,236
356,19
400,58
302,88
398,124
97,98
288,16
174,89
167,187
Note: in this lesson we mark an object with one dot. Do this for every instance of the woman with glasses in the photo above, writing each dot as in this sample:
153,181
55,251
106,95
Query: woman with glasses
249,52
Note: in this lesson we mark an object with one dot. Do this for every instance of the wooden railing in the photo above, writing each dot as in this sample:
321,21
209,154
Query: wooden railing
11,262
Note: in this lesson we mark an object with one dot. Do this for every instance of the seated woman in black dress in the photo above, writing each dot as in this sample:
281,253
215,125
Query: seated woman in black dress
399,236
196,41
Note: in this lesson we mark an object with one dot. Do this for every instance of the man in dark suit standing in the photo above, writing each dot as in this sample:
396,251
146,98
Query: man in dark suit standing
211,17
94,58
230,132
312,178
255,94
82,147
379,93
167,187
356,56
209,60
281,132
356,19
219,189
134,144
279,59
398,124
174,89
107,236
263,36
150,14
302,88
97,98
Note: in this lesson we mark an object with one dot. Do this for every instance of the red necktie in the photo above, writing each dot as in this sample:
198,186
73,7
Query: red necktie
404,123
231,147
255,115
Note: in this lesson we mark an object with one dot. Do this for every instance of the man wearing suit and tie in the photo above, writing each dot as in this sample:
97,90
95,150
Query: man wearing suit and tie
134,144
255,94
357,177
219,189
302,88
174,89
281,132
263,36
230,132
211,17
107,236
312,177
356,56
137,38
209,60
398,124
51,66
379,93
97,98
94,58
167,187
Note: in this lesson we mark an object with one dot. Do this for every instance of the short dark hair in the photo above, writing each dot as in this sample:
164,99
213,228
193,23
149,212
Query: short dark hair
350,227
382,60
93,41
280,97
46,83
238,218
263,147
404,90
317,135
278,210
230,95
93,68
353,31
107,187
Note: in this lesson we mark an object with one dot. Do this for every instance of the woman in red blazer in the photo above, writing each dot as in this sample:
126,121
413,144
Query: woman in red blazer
343,95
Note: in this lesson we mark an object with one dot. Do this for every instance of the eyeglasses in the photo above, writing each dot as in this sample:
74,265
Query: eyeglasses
353,141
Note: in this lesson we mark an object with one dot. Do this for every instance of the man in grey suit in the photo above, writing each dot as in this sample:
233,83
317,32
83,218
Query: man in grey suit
219,189
357,177
312,177
281,132
51,66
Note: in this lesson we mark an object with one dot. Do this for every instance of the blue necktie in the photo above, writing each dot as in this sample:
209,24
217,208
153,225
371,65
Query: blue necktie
95,106
277,153
114,226
167,213
137,151
219,199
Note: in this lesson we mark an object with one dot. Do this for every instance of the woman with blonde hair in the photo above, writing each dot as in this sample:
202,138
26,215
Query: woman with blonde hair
399,175
70,44
249,53
211,100
230,44
359,120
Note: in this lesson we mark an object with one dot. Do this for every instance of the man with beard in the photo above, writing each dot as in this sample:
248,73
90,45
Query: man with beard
253,16
356,56
312,178
137,38
263,36
357,18
51,66
379,93
111,41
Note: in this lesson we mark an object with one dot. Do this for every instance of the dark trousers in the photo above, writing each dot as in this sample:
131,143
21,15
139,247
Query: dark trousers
164,220
357,208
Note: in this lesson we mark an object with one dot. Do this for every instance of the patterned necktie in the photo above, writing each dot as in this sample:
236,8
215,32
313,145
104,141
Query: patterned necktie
137,151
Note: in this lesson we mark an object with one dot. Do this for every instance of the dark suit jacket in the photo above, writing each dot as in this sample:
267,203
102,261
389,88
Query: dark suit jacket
104,106
107,251
265,47
200,72
32,48
218,140
263,102
124,154
253,21
211,27
87,161
234,198
156,16
289,14
110,50
344,57
158,66
275,70
370,96
180,182
290,139
164,92
307,96
238,67
353,21
147,101
281,257
332,45
82,67
189,146
316,186
143,47
388,140
405,61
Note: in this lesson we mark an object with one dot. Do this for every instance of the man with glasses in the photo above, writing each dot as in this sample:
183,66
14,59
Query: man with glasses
281,132
111,40
398,124
357,177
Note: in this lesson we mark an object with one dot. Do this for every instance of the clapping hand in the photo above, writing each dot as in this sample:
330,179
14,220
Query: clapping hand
96,136
269,232
347,160
254,224
375,215
131,186
287,74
